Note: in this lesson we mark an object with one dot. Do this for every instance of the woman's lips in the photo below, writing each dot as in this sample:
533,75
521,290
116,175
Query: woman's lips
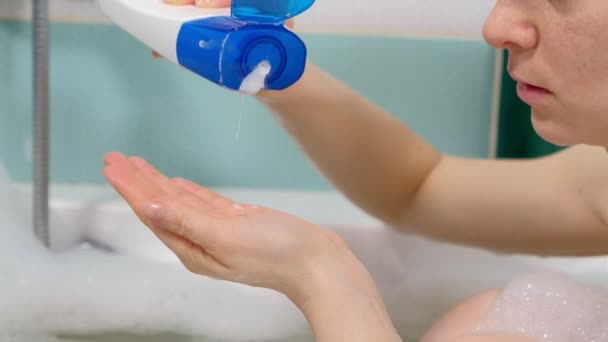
532,94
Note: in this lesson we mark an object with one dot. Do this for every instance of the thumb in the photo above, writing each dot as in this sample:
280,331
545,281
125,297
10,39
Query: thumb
212,3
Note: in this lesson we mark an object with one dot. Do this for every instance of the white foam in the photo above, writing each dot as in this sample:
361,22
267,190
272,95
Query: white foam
255,81
550,307
87,291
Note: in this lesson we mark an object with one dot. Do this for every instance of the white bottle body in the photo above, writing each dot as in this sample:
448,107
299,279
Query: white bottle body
155,23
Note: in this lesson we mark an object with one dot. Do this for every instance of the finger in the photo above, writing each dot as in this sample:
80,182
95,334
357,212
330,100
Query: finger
179,228
139,190
179,2
205,228
130,183
212,198
179,193
193,256
133,186
154,175
291,23
201,192
134,179
111,157
156,54
212,3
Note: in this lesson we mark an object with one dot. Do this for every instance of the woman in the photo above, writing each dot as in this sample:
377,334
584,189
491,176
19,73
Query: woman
557,205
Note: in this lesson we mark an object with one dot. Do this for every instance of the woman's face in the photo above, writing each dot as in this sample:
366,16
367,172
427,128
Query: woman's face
558,53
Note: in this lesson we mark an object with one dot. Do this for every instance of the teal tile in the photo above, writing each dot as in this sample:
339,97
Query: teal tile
4,66
15,85
107,93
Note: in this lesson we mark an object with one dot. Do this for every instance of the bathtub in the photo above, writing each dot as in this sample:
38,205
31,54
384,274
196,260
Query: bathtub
419,279
136,290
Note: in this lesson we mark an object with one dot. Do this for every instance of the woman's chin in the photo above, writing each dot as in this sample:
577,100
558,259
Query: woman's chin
553,132
560,133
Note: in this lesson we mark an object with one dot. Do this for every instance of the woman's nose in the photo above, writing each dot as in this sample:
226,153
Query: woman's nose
510,26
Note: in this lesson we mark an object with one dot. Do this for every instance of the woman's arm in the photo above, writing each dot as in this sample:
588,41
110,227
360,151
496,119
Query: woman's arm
217,237
554,205
342,302
371,156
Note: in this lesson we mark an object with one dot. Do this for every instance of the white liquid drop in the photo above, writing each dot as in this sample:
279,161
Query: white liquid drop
255,81
238,127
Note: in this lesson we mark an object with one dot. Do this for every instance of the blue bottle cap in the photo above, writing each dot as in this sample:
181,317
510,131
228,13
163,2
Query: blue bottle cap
225,50
268,11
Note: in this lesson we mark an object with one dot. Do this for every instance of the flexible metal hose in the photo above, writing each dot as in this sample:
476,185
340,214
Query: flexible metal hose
40,172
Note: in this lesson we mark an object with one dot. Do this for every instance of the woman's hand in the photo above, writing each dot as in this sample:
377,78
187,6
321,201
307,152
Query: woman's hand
220,238
209,4
201,3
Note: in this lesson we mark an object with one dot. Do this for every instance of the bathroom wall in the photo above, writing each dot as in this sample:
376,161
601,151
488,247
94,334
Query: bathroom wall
424,61
4,82
446,18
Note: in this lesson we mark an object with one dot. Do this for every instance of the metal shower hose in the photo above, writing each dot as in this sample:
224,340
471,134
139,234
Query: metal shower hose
40,165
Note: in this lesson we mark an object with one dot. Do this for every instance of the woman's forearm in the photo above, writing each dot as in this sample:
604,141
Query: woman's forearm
367,153
341,302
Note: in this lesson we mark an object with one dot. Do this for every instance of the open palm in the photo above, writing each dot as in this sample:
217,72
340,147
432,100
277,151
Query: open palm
215,236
